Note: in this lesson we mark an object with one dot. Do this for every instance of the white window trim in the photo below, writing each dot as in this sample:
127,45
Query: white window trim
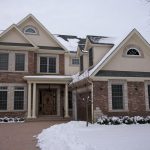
10,96
23,97
75,65
125,95
133,55
146,95
47,55
132,46
30,33
11,61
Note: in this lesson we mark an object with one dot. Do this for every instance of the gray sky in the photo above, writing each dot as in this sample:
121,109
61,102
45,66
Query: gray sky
79,17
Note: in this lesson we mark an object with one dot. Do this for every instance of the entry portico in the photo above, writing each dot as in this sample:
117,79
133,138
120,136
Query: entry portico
47,95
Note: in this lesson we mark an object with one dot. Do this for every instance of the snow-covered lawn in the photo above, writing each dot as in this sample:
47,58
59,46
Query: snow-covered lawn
76,136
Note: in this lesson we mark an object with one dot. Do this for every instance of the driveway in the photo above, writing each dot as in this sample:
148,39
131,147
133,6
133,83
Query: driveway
19,136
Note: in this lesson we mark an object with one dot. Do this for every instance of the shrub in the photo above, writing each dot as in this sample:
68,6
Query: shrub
104,120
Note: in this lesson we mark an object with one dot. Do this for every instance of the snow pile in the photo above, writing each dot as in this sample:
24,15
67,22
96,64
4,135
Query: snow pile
104,120
76,136
63,137
11,120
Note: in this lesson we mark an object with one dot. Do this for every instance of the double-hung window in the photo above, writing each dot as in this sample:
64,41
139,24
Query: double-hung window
19,98
75,61
3,98
117,96
19,62
48,64
4,57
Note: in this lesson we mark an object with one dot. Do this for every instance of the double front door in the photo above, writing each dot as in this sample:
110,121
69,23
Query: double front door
48,102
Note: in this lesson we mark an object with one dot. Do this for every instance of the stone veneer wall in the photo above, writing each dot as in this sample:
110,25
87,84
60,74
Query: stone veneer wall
136,99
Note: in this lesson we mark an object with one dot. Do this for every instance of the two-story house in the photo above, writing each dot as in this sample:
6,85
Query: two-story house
35,70
114,76
44,74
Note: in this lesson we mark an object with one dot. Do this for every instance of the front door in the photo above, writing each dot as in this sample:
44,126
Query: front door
48,102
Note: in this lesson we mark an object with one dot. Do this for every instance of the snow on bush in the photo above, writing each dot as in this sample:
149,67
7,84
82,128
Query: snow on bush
123,120
11,120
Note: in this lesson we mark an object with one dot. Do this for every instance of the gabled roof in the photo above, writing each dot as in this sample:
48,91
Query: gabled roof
51,35
13,26
117,44
71,42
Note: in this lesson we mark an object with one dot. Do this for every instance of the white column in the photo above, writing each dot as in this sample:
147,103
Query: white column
29,101
34,101
66,101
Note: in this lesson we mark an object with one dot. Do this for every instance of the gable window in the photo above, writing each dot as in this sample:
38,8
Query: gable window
90,57
117,96
75,61
19,62
30,30
133,52
81,63
19,98
3,98
48,64
4,61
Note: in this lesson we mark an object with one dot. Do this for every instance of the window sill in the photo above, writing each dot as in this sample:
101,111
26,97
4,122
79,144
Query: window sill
119,110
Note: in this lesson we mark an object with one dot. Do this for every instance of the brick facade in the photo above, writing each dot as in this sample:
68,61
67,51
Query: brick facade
136,99
61,64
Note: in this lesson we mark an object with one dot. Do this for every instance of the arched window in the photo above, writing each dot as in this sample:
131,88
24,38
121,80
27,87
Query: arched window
133,52
30,30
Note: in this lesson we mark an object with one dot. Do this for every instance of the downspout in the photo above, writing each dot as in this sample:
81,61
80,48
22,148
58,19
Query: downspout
92,106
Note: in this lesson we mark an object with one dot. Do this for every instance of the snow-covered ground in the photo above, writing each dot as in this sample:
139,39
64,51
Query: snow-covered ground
76,136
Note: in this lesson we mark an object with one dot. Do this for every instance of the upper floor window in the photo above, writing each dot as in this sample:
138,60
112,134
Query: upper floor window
90,57
75,61
4,61
133,52
19,62
81,63
30,30
48,64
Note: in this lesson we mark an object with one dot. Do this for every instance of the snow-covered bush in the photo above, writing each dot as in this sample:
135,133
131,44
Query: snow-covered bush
104,120
128,120
11,120
140,120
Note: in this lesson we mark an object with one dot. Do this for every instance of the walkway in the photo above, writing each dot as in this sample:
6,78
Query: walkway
19,136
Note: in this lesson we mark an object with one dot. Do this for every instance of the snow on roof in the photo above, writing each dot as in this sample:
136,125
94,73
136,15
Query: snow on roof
45,77
101,39
88,72
70,42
